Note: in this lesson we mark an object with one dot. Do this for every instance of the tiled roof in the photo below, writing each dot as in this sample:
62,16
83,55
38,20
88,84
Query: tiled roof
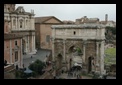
43,19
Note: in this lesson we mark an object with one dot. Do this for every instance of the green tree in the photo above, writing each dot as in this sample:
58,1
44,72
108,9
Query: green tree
37,66
112,29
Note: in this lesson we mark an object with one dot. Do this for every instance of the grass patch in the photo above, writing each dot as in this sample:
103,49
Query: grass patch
88,75
110,56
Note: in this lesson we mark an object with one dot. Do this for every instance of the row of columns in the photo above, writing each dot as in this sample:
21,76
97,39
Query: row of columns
27,43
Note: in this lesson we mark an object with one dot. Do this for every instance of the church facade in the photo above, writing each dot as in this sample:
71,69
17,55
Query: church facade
21,23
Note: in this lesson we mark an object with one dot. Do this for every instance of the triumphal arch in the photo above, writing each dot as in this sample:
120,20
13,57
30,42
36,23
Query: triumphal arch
78,45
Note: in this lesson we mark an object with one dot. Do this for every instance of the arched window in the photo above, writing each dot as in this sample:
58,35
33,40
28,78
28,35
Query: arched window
74,32
26,22
21,22
8,9
14,22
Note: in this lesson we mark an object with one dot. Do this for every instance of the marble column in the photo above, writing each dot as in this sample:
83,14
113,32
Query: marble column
64,55
97,56
21,56
53,53
16,23
102,58
10,53
12,22
84,50
28,45
32,42
24,21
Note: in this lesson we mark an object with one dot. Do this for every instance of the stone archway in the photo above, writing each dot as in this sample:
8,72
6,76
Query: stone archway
88,37
73,52
59,64
59,61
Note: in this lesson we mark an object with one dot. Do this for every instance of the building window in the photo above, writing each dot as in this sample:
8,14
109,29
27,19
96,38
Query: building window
14,22
48,38
74,32
8,9
15,42
26,22
16,56
21,22
6,28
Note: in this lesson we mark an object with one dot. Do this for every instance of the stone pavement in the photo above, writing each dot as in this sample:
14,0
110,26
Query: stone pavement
41,55
110,77
65,76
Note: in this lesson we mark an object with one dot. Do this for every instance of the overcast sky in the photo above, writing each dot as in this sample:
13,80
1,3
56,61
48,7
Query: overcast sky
72,11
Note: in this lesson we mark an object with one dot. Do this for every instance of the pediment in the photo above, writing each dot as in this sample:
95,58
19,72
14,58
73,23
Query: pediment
52,20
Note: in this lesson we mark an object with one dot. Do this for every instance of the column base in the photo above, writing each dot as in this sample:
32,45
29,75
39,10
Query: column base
26,52
33,52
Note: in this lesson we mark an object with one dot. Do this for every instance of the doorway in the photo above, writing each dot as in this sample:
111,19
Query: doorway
89,64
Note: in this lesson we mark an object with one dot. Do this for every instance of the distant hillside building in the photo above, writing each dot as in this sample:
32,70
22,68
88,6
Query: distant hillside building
68,22
84,20
44,31
108,23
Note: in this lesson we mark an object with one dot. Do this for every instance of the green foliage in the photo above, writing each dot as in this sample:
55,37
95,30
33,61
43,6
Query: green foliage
96,76
20,74
110,56
78,50
112,29
37,67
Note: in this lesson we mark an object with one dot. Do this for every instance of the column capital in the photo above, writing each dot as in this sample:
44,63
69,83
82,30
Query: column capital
64,41
97,42
53,41
84,42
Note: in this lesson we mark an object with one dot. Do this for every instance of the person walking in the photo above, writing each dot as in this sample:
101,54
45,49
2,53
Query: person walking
23,65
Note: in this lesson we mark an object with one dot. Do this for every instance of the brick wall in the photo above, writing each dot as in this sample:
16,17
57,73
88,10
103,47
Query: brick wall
7,49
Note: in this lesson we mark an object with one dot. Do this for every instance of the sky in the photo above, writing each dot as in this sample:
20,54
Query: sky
72,11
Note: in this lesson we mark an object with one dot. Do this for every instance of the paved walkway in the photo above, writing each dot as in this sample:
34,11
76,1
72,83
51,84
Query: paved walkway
65,76
110,77
41,55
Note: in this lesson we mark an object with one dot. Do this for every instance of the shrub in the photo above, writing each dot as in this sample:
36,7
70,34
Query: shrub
37,66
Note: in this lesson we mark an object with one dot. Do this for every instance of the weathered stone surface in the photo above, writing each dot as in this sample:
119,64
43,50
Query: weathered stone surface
83,36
